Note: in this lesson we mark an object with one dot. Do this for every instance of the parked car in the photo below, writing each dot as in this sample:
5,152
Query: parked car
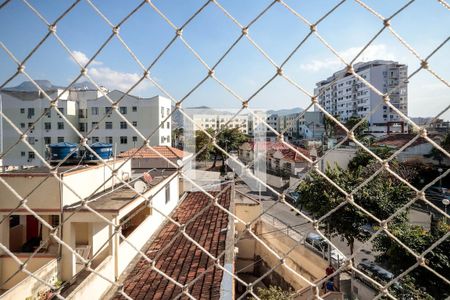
436,193
318,245
378,273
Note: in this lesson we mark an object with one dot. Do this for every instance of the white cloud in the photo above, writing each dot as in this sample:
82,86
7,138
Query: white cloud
83,59
109,78
333,63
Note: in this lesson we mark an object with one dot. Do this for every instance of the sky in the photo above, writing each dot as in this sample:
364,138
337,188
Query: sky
424,25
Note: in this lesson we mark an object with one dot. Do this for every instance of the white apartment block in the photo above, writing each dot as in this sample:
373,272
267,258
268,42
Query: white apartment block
145,114
220,121
344,95
84,109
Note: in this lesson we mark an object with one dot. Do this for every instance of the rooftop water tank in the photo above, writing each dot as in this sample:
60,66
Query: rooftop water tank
103,150
59,151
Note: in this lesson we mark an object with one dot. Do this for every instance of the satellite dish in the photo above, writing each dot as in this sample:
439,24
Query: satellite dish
140,186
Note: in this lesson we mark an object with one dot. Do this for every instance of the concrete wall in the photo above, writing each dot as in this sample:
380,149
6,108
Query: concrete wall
30,286
301,259
9,266
340,157
275,181
86,182
45,197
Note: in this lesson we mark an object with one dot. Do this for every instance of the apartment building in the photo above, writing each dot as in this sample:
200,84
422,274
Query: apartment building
343,95
84,109
144,114
216,120
307,125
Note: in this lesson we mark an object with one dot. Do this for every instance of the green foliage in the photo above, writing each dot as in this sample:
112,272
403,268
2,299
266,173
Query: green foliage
272,293
381,196
419,240
359,131
437,154
202,140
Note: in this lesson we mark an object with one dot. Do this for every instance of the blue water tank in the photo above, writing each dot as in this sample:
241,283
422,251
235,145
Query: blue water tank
103,150
59,151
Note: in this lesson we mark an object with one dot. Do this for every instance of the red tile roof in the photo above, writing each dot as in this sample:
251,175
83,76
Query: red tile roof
399,140
291,155
182,260
168,152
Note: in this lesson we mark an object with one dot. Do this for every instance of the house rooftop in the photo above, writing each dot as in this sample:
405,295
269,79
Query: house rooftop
401,139
113,200
61,170
145,152
179,258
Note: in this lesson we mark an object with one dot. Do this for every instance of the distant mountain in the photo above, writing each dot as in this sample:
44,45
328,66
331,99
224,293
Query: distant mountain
85,85
28,86
283,112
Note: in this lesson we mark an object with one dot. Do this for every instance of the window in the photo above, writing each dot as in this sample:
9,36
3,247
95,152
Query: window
22,125
47,140
168,125
135,123
94,125
123,125
123,140
31,140
30,126
31,155
134,108
83,127
82,113
109,139
48,112
30,113
162,139
22,153
134,138
95,139
60,125
61,109
167,190
108,110
22,110
60,139
94,111
168,111
162,112
123,110
47,126
108,125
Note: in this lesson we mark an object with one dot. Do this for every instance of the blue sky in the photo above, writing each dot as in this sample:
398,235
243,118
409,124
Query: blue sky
424,25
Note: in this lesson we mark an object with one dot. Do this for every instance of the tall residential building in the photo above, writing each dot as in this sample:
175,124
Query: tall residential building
84,109
344,95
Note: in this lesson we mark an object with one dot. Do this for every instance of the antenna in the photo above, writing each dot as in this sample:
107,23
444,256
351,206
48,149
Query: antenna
140,186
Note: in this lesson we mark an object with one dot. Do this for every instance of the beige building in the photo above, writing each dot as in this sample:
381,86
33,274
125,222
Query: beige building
88,234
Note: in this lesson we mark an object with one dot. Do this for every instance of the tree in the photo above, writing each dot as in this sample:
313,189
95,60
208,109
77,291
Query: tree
418,282
229,139
272,293
330,125
437,154
359,131
202,140
382,196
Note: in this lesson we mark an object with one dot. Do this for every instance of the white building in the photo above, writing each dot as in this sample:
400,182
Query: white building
84,109
145,114
343,95
216,120
307,125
